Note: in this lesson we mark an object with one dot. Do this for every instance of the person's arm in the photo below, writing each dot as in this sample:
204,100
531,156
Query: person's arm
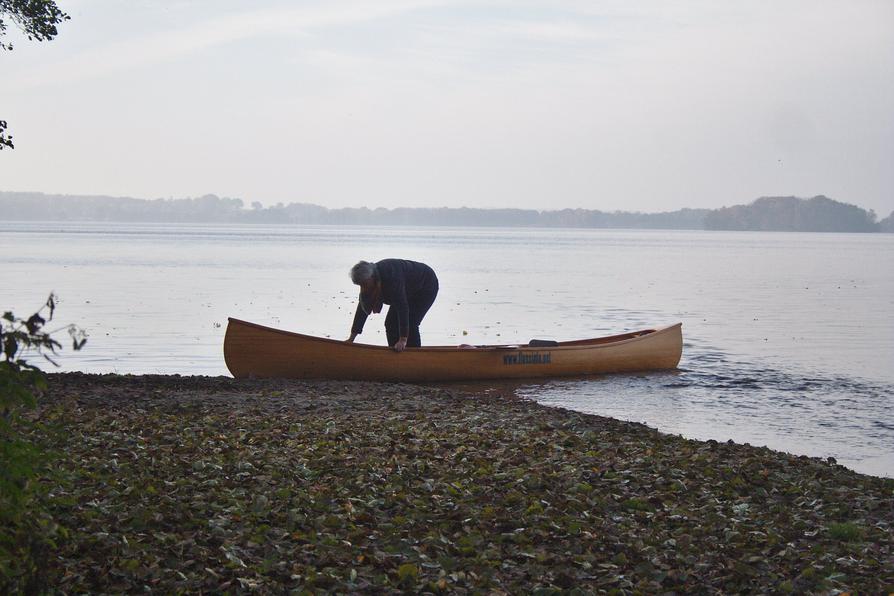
403,315
357,326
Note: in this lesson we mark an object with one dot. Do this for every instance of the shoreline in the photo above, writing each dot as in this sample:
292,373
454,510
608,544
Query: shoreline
275,485
781,213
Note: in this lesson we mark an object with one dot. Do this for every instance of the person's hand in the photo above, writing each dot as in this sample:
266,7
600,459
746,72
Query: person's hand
401,345
350,340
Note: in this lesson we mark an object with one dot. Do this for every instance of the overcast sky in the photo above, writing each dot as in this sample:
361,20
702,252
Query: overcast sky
647,106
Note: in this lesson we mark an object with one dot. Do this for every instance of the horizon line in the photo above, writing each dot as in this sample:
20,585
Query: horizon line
246,203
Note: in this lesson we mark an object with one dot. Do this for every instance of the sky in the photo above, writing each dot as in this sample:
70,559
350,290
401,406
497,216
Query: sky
611,105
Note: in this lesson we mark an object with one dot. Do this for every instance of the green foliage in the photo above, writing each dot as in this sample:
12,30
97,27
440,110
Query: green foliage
846,532
36,18
5,140
27,528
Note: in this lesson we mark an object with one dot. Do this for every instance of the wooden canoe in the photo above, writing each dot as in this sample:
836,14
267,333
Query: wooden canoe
252,350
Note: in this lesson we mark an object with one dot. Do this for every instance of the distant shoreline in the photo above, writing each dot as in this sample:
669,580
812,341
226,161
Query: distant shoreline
784,214
284,225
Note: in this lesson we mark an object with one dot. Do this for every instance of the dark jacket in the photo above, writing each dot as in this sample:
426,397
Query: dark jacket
401,282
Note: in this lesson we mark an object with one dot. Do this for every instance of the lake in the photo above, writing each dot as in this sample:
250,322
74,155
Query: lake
788,338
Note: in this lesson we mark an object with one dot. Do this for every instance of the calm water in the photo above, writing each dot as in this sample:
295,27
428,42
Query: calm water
789,338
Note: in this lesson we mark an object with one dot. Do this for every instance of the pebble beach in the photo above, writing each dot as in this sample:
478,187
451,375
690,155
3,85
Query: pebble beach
209,484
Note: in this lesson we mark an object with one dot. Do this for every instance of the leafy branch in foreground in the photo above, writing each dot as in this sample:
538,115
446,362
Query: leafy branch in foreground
26,527
37,19
5,141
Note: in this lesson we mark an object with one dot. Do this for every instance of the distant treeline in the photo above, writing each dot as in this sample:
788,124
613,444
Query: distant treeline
791,214
819,214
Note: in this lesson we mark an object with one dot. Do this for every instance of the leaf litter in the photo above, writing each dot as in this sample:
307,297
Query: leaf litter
197,484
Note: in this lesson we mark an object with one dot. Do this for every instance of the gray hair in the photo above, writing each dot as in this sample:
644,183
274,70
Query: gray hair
363,271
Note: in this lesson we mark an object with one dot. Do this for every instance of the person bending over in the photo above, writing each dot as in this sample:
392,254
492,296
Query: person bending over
408,287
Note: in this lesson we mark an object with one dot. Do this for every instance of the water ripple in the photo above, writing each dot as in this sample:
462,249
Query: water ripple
718,397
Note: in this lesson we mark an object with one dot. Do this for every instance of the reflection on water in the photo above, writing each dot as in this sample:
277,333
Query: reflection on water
789,338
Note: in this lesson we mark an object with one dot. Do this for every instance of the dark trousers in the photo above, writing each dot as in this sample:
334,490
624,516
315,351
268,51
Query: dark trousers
418,303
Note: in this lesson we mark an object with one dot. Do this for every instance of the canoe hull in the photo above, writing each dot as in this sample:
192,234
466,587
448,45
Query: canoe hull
252,350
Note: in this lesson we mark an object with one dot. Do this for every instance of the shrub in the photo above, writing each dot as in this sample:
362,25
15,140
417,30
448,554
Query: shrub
26,528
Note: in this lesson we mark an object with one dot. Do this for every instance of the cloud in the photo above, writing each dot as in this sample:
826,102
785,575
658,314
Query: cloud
164,46
652,104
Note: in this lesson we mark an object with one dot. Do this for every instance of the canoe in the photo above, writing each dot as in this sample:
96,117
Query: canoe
252,350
